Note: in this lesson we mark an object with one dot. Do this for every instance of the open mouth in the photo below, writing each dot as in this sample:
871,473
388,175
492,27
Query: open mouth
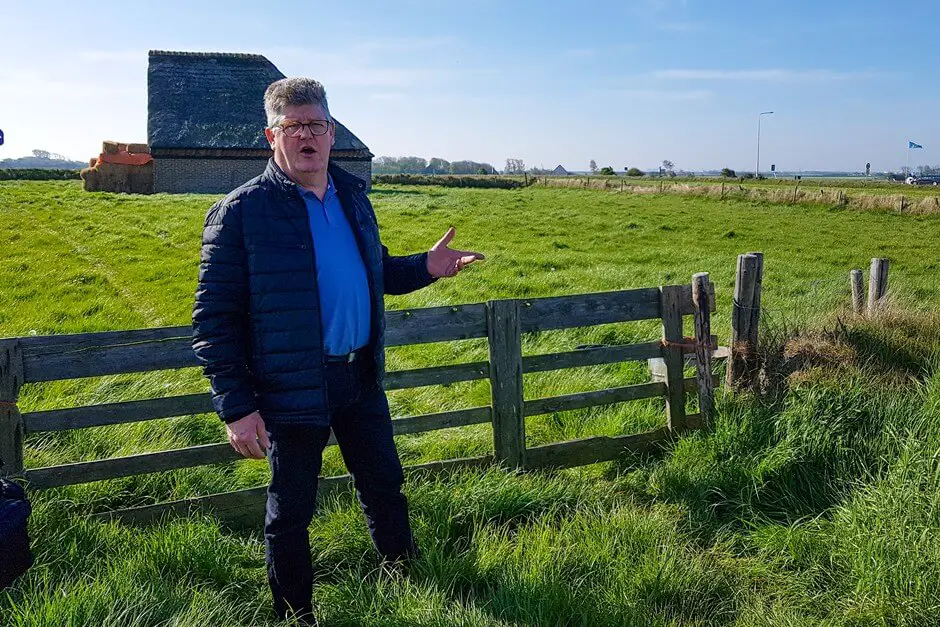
308,150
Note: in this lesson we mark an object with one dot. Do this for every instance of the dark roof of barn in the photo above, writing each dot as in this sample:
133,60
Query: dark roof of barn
214,100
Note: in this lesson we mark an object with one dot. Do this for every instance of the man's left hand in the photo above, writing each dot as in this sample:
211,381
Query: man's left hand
444,261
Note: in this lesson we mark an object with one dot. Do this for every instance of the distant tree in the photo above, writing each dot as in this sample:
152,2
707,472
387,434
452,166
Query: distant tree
593,166
482,171
635,172
471,167
728,172
607,171
399,165
515,166
669,167
418,165
438,166
42,154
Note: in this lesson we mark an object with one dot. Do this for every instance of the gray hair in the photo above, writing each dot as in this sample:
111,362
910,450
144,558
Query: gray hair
295,92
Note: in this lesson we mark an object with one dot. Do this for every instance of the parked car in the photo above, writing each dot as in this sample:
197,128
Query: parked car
923,180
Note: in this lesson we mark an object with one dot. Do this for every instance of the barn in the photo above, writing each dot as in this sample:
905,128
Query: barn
205,122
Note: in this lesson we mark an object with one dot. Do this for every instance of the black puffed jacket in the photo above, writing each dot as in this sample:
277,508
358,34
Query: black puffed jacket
256,319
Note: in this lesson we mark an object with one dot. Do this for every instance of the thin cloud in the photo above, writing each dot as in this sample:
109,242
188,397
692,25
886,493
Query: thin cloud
768,75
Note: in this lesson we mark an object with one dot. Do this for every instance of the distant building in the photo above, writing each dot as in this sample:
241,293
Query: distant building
560,171
205,122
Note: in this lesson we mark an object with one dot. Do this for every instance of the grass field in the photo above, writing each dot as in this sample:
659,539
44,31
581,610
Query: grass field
820,505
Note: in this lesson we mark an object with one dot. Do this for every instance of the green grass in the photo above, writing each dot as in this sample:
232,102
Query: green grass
819,504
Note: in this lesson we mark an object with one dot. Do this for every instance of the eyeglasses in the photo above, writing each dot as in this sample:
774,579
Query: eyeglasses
295,129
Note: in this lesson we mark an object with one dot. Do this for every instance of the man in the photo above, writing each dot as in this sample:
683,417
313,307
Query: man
289,326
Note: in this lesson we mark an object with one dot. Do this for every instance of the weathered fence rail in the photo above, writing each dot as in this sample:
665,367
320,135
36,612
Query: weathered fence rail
503,322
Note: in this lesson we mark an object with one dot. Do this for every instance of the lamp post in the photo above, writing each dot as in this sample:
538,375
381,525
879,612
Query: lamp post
758,139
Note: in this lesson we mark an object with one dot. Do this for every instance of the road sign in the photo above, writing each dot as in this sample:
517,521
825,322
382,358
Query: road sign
773,167
1,138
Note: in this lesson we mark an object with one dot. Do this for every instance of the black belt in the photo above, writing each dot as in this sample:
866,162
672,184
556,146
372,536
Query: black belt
348,358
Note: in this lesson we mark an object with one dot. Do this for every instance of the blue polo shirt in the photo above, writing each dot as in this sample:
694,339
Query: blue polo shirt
341,275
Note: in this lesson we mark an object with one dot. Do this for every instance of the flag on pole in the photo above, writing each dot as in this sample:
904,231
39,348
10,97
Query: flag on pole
911,144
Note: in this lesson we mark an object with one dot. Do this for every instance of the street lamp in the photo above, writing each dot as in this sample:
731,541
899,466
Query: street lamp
758,139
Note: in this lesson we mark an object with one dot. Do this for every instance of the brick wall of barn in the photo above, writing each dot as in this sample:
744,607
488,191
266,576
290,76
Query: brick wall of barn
220,176
203,176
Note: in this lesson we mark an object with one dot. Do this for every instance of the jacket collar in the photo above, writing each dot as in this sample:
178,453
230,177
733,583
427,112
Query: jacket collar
343,180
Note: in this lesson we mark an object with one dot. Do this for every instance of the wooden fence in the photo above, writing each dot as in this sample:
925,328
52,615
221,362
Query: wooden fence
503,322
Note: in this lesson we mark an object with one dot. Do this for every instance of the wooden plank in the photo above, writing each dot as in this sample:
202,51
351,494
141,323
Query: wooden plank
438,375
54,344
117,413
434,324
593,450
562,312
58,357
442,420
672,355
594,356
12,431
171,406
582,400
145,463
98,354
503,323
657,365
97,361
247,506
703,346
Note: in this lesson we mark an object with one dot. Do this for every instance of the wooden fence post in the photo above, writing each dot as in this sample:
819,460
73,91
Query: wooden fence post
504,329
703,349
11,422
877,283
858,291
744,316
755,301
671,310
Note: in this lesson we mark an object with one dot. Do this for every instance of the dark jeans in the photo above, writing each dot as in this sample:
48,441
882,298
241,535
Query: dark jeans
359,417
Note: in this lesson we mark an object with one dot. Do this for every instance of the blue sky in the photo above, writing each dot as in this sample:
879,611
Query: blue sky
627,84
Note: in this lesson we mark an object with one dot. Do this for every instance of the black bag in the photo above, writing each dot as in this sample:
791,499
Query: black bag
15,556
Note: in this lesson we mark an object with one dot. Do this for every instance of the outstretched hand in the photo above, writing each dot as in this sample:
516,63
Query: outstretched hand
444,261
